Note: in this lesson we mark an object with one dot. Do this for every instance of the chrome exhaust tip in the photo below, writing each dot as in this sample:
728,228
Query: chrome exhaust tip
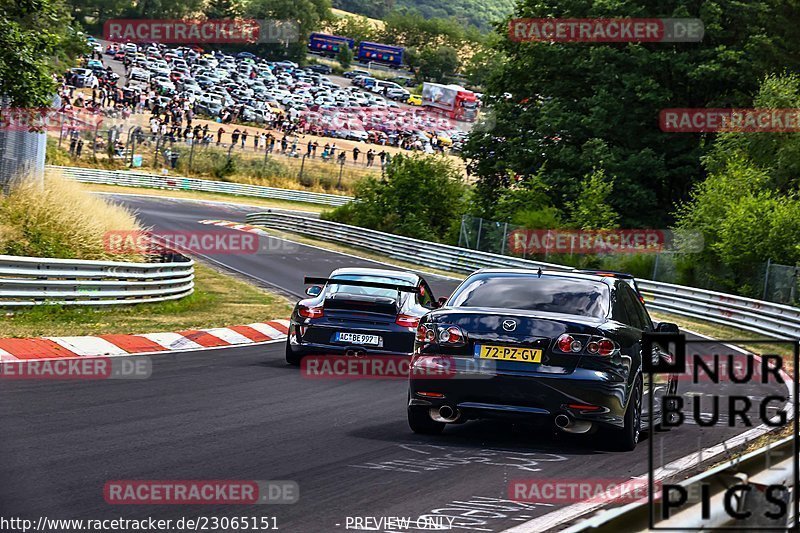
445,414
569,425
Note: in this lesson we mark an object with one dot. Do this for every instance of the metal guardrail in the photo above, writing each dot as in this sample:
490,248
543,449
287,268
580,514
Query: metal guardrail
763,318
756,469
157,181
28,281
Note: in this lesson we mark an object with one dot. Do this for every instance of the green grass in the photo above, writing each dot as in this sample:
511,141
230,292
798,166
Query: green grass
219,300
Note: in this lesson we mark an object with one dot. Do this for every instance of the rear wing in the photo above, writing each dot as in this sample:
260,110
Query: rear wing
358,283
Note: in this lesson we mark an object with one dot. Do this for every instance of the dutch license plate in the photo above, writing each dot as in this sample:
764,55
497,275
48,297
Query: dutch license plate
509,353
357,338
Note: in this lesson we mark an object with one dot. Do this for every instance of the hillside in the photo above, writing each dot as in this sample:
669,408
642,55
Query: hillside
480,13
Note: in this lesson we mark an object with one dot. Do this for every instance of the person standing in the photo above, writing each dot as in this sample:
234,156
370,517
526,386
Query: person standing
356,151
220,133
244,138
235,136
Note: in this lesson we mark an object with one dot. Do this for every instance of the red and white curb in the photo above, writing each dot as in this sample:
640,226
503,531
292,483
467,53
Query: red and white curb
235,225
115,345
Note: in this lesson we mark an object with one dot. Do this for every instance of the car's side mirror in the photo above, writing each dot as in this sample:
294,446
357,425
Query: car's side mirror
314,290
667,327
441,301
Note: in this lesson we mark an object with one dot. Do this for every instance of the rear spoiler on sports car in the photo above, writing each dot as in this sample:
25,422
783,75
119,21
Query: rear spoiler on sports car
358,283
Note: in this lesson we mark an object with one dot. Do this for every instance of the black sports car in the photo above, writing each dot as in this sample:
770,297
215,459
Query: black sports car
524,344
356,311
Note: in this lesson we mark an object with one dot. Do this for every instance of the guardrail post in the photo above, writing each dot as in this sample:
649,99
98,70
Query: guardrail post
302,166
191,154
766,279
155,154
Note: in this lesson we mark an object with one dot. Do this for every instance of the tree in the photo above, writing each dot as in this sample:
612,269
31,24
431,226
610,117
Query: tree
574,105
747,210
308,14
31,58
592,209
422,197
223,9
357,28
438,64
345,57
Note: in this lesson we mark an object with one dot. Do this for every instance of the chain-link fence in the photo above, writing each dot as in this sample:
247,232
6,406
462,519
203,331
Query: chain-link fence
767,281
22,154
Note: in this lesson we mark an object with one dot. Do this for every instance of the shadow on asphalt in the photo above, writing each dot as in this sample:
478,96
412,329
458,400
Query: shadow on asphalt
480,434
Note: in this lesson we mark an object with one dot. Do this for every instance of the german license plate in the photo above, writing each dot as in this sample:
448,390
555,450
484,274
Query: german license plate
508,353
357,338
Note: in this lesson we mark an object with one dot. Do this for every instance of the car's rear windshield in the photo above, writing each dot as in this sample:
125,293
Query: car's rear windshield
529,292
335,288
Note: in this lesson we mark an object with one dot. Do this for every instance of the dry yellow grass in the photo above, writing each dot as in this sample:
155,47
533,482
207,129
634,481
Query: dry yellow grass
60,219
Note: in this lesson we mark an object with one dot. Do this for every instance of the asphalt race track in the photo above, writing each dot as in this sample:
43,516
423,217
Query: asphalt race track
242,413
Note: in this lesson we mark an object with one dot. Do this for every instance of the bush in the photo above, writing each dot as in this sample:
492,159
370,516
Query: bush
421,197
62,220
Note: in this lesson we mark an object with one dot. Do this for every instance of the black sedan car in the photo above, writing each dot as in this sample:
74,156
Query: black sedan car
527,344
358,311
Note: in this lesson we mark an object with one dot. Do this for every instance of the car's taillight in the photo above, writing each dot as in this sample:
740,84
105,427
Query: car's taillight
426,333
568,344
444,335
451,335
310,312
601,346
407,321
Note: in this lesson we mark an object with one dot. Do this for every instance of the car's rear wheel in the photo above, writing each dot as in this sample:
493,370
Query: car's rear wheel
626,438
291,357
420,422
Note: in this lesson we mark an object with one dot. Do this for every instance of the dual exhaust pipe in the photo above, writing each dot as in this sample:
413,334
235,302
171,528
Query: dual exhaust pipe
567,424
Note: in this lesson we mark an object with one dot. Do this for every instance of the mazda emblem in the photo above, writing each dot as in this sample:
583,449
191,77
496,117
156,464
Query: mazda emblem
509,325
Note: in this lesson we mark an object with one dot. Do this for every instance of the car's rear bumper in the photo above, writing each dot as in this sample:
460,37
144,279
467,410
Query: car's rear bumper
581,395
317,340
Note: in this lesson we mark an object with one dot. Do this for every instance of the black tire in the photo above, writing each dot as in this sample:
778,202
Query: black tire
291,357
626,438
421,423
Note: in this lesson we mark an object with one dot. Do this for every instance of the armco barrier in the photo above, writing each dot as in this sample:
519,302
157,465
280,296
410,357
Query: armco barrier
140,179
27,281
760,317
